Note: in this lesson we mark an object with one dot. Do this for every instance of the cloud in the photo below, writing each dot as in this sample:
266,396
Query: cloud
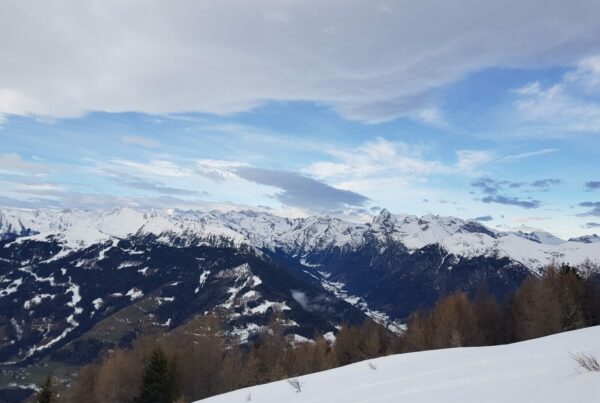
592,185
32,203
14,164
556,110
346,54
495,189
140,141
375,157
587,75
142,184
529,154
156,167
39,188
484,218
595,208
565,106
591,225
384,158
301,191
72,199
492,186
512,201
545,183
217,170
469,160
317,304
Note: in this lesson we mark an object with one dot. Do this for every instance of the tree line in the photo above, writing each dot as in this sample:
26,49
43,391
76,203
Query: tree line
561,299
199,359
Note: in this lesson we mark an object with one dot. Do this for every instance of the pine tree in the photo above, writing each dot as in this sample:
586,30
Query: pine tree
160,380
46,393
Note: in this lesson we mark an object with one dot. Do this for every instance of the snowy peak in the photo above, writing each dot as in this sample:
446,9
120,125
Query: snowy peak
416,232
475,227
296,237
382,218
586,239
541,237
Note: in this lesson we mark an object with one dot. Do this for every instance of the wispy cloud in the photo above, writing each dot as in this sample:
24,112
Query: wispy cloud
391,158
152,186
529,154
156,167
39,188
13,163
587,74
140,141
217,170
561,108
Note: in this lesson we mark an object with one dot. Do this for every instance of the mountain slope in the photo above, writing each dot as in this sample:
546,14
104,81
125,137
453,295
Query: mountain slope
48,299
66,273
538,370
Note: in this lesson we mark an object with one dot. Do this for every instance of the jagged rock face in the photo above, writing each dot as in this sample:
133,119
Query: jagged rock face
83,277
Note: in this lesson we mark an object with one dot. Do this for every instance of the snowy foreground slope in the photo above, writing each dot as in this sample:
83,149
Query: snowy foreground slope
538,370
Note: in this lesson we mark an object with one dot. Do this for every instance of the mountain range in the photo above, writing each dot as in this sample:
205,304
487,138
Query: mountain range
73,282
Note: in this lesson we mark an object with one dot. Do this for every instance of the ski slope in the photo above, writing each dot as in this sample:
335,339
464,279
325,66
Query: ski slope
538,370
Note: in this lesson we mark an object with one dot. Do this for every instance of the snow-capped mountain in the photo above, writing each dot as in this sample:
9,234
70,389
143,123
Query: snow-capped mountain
541,237
106,293
586,239
70,276
79,228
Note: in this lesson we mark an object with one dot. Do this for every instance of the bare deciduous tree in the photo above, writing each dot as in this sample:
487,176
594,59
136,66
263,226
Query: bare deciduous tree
295,384
586,361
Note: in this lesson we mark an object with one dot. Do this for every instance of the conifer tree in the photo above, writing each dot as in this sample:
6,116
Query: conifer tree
46,393
159,382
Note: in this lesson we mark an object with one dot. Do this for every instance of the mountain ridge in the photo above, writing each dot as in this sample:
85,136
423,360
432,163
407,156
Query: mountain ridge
78,228
71,276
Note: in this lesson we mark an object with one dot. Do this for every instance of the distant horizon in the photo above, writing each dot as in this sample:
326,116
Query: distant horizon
454,108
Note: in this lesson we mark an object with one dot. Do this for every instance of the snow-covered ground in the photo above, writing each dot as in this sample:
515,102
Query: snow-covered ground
540,370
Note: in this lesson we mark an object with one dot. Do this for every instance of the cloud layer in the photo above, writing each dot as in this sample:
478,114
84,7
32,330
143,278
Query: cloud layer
300,191
368,60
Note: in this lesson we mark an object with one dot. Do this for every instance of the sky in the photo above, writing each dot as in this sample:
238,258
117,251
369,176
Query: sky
477,109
